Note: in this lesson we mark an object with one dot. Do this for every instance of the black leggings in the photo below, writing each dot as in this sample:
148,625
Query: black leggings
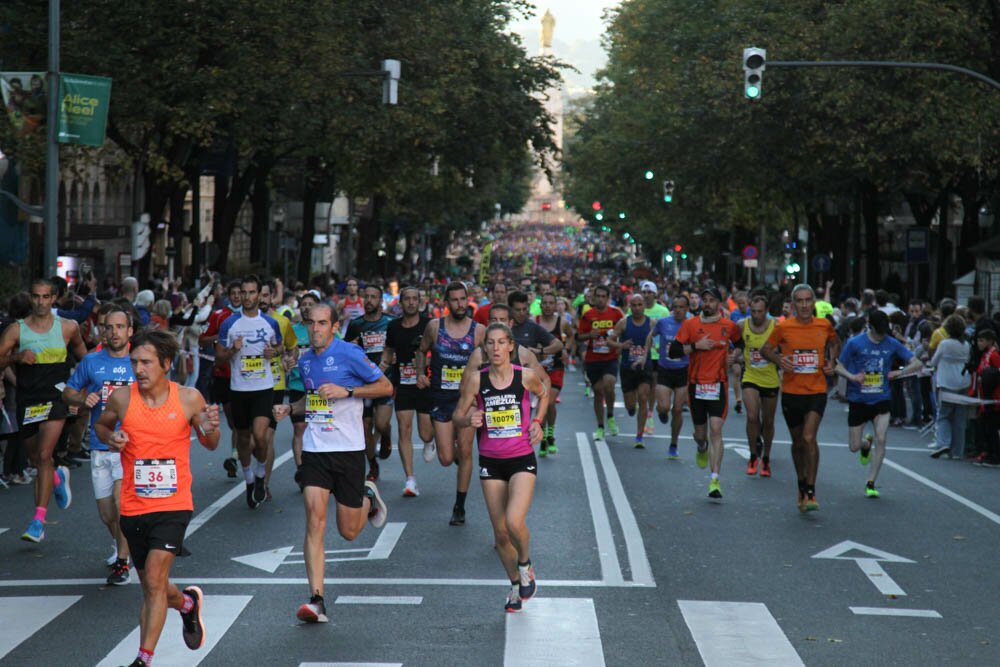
15,458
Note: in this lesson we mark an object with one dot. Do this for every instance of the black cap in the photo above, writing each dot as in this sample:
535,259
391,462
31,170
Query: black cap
713,291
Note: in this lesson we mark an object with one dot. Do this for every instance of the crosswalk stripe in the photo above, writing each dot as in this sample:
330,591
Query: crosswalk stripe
611,571
554,631
3,530
734,634
349,664
21,617
219,612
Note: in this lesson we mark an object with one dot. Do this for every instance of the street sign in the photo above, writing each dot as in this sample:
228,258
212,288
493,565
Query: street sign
918,241
821,263
750,263
751,252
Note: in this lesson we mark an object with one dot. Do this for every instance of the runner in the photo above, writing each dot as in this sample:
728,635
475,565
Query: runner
737,315
867,362
38,344
630,336
654,311
284,359
337,377
95,378
402,341
555,366
156,503
219,389
248,340
296,390
671,374
496,402
805,347
352,305
706,340
497,295
369,332
600,362
451,341
760,384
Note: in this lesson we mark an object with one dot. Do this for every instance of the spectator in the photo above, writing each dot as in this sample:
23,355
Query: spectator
950,376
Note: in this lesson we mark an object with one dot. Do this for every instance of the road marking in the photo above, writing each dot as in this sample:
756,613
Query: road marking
638,562
270,560
840,445
228,497
733,634
22,617
554,631
379,599
739,448
975,507
387,539
219,612
3,530
611,571
344,581
884,611
879,577
345,664
869,565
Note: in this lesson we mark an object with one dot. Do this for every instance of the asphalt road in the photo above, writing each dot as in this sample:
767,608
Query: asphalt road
635,565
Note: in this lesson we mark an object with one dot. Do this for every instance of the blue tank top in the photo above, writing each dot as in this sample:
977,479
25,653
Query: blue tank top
449,357
637,334
666,331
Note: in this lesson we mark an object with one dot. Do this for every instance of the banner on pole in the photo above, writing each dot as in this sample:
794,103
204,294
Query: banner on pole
83,109
25,99
484,262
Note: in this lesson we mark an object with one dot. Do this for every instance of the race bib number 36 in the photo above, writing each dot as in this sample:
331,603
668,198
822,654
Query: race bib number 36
451,377
504,423
155,478
806,361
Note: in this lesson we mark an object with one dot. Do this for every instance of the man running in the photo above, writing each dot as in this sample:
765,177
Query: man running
867,362
496,401
450,340
760,386
655,311
737,315
630,336
554,365
671,374
706,340
39,345
337,377
600,362
284,359
805,347
402,342
219,388
93,381
352,306
150,423
296,389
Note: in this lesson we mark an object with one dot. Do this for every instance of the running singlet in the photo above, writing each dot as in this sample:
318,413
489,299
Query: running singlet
38,399
666,331
505,433
637,334
352,309
756,369
806,345
335,424
405,342
449,356
99,372
250,370
863,355
370,335
657,312
708,367
290,340
551,362
600,322
156,461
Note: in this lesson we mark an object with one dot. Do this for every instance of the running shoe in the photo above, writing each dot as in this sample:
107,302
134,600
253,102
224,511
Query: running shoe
230,466
543,448
373,470
378,512
22,480
513,604
739,407
870,490
714,489
62,491
587,393
430,450
811,504
35,532
259,490
599,433
410,489
612,426
113,558
457,516
649,425
385,447
752,465
765,468
801,502
120,574
866,450
313,611
672,453
251,503
137,663
552,445
638,442
192,627
527,588
701,456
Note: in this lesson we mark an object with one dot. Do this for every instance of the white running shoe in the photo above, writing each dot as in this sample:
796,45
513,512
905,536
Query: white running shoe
430,451
411,490
110,560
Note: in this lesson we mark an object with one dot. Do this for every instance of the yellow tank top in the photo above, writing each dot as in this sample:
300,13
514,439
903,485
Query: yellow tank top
756,369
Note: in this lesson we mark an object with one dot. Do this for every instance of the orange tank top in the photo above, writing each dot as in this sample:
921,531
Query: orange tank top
156,461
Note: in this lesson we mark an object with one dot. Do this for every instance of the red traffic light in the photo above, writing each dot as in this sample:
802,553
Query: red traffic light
596,206
546,206
678,248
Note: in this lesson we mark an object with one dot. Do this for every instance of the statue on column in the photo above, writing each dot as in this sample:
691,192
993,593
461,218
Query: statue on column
548,26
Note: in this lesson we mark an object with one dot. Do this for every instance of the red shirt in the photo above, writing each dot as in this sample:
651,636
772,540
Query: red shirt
482,315
215,321
601,322
990,358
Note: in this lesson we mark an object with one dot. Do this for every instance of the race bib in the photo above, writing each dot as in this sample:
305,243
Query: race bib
600,345
155,478
276,367
373,341
37,413
806,361
757,360
252,367
709,391
407,374
503,423
548,362
635,353
318,409
873,383
451,377
109,387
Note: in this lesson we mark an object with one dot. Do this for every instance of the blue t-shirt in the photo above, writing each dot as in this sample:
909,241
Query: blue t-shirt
294,376
99,372
665,331
862,355
738,315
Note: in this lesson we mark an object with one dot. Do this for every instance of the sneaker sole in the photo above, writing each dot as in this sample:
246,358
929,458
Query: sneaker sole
200,598
407,493
307,615
67,490
30,538
379,519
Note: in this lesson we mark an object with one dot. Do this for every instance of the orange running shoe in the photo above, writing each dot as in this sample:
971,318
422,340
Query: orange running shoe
752,465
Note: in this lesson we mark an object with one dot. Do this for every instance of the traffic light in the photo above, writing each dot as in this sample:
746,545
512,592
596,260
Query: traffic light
678,248
596,206
754,62
140,237
667,257
626,236
792,268
599,216
546,206
668,191
649,175
621,215
684,255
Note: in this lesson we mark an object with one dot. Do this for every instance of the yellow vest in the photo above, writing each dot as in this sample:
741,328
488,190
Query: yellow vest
756,369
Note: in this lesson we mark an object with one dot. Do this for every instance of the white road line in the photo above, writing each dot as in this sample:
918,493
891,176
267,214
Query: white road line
346,664
975,507
611,570
220,612
731,441
734,634
638,562
879,577
378,599
554,631
888,611
3,530
228,497
344,581
387,539
20,618
740,449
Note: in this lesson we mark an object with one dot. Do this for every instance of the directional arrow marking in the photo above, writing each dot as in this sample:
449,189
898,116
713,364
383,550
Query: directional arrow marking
272,559
869,564
265,560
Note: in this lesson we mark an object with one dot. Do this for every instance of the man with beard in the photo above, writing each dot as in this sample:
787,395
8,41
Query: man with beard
280,363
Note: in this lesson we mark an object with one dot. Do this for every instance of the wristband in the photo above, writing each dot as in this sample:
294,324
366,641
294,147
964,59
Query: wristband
201,431
537,420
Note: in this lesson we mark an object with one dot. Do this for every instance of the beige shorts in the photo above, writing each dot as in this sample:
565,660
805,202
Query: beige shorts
105,470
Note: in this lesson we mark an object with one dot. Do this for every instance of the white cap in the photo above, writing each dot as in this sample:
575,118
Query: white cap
647,285
145,298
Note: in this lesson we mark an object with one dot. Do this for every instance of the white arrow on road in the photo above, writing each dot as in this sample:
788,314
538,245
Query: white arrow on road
272,559
869,564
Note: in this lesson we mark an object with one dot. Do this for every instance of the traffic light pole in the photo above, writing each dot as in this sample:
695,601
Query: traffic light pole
51,204
885,63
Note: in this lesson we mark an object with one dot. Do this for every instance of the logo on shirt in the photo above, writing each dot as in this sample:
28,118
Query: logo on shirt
171,415
260,336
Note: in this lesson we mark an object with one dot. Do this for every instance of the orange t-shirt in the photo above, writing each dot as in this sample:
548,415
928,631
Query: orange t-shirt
806,343
708,366
156,461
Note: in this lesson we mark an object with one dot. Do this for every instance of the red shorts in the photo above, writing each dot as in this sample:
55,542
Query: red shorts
556,378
